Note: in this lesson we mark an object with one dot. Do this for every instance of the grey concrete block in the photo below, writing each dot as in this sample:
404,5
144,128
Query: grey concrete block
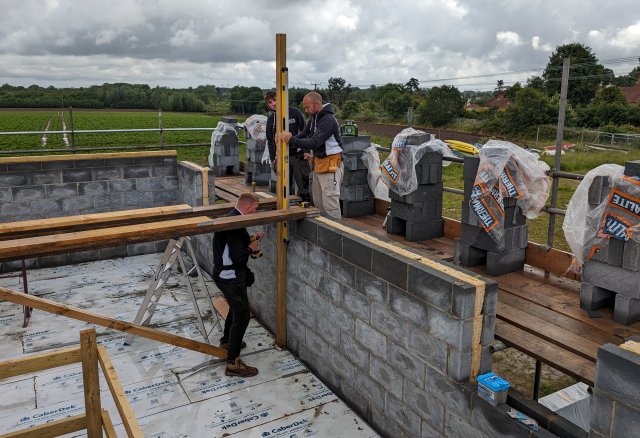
92,188
403,414
454,331
140,161
467,216
113,252
357,193
373,287
16,265
418,139
342,271
317,257
138,199
357,209
425,404
141,248
355,352
423,193
78,203
330,288
407,306
500,263
137,171
627,421
354,177
601,412
46,177
631,255
61,190
355,399
108,173
390,379
632,168
430,285
355,144
171,183
459,365
316,344
353,161
120,162
396,225
13,179
340,318
406,363
417,212
307,230
307,274
428,173
34,165
330,240
513,238
424,230
27,193
626,310
464,295
122,186
611,253
594,297
386,426
110,201
357,252
370,389
598,190
306,315
14,210
84,256
513,216
150,184
5,194
372,339
84,164
614,278
76,175
355,303
45,206
331,334
165,196
618,372
428,348
53,260
387,322
390,268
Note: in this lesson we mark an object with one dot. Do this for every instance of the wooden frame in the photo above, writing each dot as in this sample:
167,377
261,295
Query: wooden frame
95,419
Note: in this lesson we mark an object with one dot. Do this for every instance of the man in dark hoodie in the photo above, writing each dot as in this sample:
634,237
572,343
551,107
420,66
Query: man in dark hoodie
231,251
321,140
298,165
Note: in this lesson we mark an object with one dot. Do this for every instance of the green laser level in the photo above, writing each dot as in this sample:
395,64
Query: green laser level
349,128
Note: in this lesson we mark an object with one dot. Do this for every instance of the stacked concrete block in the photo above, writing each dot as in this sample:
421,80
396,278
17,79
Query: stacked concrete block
225,158
392,337
356,196
418,215
476,247
256,171
612,275
615,404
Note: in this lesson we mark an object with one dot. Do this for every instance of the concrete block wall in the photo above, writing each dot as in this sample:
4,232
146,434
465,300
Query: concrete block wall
196,186
63,185
389,335
615,406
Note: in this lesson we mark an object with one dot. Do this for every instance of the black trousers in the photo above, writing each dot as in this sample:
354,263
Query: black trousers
300,173
238,318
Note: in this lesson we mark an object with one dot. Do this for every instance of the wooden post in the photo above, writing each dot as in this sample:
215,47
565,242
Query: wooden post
282,189
93,411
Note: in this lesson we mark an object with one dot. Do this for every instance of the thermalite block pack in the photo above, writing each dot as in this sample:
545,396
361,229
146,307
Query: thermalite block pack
353,161
513,238
632,168
593,297
500,263
355,177
493,388
424,193
356,193
355,144
361,208
424,211
424,230
598,190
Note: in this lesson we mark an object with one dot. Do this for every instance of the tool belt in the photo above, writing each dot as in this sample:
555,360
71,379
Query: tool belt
328,164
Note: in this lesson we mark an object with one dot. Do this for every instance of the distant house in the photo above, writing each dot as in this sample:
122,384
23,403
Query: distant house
470,106
632,93
499,101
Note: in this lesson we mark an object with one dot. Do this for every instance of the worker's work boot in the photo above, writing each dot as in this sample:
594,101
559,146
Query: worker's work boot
225,345
240,369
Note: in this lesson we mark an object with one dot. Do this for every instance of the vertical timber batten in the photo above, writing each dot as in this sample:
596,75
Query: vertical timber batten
282,188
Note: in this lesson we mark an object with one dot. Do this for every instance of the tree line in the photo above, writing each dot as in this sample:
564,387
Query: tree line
594,98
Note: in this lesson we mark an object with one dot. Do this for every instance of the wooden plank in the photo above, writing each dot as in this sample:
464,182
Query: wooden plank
52,429
452,228
553,260
97,156
145,232
39,362
569,363
107,425
91,383
42,227
226,196
121,401
546,315
104,321
555,334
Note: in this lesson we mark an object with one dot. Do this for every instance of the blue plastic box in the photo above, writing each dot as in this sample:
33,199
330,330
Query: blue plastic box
493,388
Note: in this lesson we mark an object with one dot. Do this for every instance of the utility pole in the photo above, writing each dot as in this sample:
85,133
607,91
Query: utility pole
315,85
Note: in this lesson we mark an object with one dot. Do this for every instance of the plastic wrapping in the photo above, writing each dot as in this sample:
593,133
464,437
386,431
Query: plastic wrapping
507,171
581,222
399,169
256,127
221,130
371,159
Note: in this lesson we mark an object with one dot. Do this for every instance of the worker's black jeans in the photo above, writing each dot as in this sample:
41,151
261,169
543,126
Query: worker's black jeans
238,318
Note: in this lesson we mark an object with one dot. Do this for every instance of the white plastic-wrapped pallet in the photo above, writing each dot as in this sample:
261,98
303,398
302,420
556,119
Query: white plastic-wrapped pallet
220,131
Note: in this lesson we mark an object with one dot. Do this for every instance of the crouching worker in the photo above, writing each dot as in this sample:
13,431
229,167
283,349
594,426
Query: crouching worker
231,251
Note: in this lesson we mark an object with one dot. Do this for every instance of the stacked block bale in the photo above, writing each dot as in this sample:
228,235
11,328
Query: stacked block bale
418,215
256,171
612,275
356,196
226,152
476,247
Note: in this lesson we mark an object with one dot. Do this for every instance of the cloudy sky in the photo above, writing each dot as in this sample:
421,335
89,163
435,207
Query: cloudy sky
182,43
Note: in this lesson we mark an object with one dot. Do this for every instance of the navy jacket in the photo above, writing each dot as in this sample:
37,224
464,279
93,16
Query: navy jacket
296,124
